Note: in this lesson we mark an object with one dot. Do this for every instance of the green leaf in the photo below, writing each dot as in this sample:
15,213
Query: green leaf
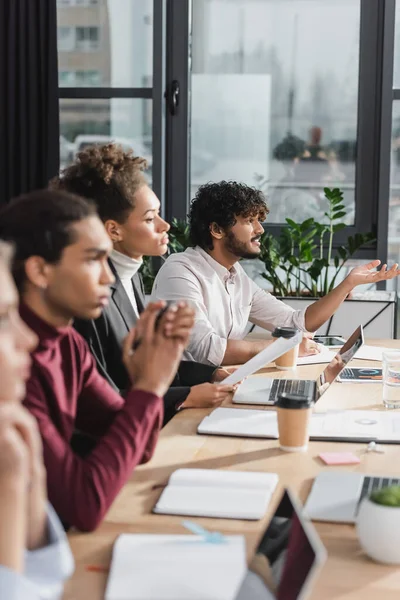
339,215
342,252
293,261
292,224
307,223
387,496
338,227
336,261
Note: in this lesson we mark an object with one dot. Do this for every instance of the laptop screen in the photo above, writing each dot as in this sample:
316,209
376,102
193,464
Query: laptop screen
286,558
338,363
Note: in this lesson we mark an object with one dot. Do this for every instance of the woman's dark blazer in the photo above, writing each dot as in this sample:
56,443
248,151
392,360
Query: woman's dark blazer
106,334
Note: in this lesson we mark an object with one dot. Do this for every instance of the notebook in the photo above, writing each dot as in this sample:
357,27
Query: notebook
175,567
341,426
220,494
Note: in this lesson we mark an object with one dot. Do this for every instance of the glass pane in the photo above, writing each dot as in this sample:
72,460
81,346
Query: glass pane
113,38
394,199
87,122
274,99
396,70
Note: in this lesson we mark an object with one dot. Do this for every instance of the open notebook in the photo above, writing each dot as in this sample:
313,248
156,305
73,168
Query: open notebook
221,494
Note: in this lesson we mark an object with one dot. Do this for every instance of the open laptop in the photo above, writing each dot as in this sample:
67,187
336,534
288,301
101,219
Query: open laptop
260,390
336,495
288,557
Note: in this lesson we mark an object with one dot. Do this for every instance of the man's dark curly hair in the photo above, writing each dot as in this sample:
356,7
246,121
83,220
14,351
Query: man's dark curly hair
221,203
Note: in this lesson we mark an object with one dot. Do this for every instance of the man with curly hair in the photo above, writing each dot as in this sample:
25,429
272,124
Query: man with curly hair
225,226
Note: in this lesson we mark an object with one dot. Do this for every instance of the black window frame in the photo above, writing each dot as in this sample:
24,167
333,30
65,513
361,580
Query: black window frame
373,127
154,93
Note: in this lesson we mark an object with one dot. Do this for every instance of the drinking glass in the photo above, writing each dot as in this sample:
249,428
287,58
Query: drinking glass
391,378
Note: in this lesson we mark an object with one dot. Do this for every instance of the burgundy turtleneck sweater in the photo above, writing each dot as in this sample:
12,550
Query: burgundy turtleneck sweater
65,392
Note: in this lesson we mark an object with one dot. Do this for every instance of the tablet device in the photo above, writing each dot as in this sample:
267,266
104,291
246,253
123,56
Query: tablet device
330,340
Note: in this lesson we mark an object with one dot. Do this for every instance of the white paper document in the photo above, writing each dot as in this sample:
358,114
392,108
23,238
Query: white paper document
325,356
176,567
214,493
371,352
345,425
266,356
364,353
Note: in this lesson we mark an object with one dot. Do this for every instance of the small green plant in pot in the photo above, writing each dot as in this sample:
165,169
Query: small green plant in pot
302,261
378,525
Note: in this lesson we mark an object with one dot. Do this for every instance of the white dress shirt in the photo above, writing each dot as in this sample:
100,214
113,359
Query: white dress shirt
46,569
126,268
224,302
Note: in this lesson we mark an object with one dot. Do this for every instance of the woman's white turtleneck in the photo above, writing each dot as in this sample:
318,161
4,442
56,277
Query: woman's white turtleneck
126,268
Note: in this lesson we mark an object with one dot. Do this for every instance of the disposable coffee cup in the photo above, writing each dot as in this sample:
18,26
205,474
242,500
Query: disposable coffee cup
287,361
294,411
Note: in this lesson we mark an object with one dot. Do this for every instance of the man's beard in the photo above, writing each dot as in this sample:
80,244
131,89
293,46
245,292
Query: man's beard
239,249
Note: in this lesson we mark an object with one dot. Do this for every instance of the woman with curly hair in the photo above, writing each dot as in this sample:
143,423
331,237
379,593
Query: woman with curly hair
115,180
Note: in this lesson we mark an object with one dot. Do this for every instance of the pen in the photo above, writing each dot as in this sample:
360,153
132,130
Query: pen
97,569
212,537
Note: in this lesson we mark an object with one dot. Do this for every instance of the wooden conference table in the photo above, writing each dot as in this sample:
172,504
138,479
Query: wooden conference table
347,574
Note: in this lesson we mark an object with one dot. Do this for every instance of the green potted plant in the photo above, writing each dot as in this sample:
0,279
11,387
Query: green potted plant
178,242
378,525
302,262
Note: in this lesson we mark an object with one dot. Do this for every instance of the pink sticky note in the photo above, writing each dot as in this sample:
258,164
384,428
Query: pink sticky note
339,458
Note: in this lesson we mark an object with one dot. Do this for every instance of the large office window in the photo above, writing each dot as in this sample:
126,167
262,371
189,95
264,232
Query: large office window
274,99
394,199
105,53
280,94
286,95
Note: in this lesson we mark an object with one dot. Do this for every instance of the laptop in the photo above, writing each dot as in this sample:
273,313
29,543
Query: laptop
260,390
288,558
336,495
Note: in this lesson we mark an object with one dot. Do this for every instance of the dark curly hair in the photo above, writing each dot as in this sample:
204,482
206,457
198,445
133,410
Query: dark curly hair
221,203
108,175
41,224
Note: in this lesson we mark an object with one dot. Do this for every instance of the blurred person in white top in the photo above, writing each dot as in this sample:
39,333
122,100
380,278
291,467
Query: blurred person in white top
225,226
35,557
